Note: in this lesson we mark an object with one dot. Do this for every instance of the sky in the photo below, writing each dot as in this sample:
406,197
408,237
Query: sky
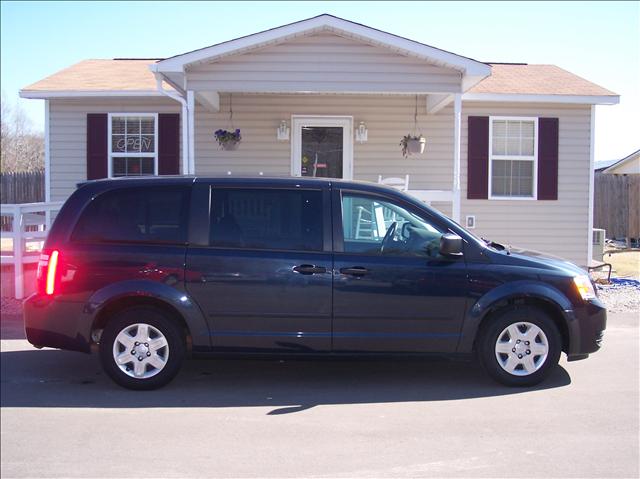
599,41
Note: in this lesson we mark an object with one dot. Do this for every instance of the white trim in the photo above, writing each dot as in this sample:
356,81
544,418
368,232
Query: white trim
191,110
86,93
110,153
533,158
592,141
184,119
531,98
47,153
324,23
436,102
457,128
345,122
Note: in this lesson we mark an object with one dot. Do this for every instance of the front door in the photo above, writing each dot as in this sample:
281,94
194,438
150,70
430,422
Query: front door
393,290
322,147
264,273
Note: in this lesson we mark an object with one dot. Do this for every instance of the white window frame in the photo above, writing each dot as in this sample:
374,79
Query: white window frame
346,122
111,154
533,158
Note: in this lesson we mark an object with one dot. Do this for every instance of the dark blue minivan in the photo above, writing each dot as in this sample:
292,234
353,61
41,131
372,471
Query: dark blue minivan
146,271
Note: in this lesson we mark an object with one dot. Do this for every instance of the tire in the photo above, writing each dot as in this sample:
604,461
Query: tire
510,329
149,345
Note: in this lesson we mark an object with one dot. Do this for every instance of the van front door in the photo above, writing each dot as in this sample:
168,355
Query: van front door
393,290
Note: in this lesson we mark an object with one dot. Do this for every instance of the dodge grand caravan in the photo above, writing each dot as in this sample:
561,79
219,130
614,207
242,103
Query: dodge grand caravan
147,271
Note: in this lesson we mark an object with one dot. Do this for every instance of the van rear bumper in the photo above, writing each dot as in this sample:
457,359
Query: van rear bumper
55,324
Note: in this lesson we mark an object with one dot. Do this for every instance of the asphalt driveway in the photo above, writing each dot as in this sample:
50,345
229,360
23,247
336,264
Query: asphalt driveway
62,417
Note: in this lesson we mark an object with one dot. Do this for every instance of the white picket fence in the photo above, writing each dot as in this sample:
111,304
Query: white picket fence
24,228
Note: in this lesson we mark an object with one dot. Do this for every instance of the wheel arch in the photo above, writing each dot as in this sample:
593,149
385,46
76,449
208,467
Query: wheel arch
534,294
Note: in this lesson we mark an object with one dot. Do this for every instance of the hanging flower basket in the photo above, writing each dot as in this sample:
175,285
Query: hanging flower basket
412,145
228,140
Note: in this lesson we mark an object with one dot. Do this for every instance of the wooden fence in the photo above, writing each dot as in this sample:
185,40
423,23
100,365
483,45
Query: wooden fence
25,187
617,205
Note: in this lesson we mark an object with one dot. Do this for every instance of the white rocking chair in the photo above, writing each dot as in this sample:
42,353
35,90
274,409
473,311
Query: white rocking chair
401,184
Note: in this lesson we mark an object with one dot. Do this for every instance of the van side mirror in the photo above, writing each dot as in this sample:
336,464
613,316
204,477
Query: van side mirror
450,245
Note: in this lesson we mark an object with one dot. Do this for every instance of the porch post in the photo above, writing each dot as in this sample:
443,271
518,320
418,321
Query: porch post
185,139
457,125
191,107
47,157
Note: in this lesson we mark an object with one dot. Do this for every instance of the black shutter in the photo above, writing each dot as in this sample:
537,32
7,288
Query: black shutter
548,135
478,158
168,144
97,144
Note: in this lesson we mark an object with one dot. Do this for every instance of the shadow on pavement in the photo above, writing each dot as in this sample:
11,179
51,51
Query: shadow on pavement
52,378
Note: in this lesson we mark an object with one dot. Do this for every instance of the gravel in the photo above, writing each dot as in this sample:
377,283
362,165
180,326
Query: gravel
621,296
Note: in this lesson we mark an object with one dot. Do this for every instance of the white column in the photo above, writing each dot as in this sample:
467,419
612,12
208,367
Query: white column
18,266
191,107
185,139
591,185
457,125
47,155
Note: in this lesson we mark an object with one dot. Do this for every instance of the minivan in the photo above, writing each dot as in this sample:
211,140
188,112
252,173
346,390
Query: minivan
148,271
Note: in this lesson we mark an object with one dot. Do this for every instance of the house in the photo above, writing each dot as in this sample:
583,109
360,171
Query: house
629,165
509,147
617,199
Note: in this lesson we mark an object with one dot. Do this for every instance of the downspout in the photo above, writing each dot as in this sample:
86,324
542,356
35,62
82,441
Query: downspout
186,156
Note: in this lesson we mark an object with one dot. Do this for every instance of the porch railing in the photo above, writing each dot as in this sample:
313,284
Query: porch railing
24,228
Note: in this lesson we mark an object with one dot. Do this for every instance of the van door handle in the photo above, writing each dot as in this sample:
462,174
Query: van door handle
309,269
355,271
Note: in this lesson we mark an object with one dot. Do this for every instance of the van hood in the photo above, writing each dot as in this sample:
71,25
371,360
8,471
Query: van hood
537,259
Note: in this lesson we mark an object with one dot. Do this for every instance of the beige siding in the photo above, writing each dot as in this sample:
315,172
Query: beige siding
323,63
558,227
68,135
388,118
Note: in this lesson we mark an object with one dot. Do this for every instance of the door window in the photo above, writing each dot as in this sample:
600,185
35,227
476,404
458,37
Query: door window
378,227
272,219
322,151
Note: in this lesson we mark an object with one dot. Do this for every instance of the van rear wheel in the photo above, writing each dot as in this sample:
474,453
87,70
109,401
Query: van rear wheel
520,346
142,348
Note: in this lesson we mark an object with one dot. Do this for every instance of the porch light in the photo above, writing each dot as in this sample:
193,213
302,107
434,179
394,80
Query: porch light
362,133
283,131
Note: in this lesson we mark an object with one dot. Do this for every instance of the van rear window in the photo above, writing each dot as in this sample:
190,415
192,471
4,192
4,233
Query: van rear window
135,215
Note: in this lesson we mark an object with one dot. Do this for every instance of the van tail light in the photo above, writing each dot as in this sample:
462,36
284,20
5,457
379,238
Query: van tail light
47,275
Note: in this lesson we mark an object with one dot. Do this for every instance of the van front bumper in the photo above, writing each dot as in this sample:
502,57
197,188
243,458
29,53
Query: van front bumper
586,329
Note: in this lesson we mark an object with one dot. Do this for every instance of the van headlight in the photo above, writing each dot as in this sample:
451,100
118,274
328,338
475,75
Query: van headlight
584,286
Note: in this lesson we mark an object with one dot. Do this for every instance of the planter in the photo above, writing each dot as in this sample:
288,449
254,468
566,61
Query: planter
416,146
230,145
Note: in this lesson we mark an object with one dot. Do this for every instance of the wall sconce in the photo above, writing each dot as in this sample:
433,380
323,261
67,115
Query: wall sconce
362,133
283,131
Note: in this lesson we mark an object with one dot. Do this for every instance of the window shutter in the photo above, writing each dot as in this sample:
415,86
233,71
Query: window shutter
548,132
97,145
168,144
478,158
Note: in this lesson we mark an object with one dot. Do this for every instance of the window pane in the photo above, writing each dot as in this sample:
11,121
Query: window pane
135,215
513,146
147,144
133,144
528,128
133,166
266,219
499,146
527,146
512,178
118,125
118,143
499,128
147,125
133,125
366,221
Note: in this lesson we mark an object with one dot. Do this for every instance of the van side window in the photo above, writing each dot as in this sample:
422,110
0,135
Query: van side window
273,219
373,226
135,215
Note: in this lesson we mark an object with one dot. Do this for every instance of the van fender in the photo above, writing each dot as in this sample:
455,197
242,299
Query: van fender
527,289
179,300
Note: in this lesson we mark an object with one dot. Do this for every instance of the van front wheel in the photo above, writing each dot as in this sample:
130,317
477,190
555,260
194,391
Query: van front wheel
141,348
520,347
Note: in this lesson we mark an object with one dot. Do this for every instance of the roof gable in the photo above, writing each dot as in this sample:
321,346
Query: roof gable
326,23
